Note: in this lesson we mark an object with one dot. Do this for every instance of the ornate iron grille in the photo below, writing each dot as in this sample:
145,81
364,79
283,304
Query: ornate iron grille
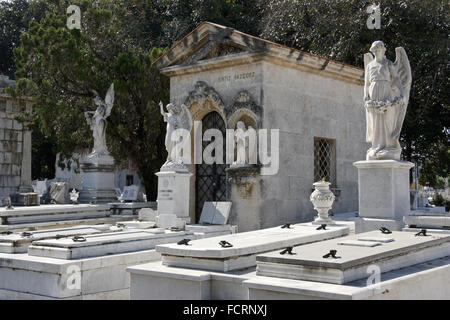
210,181
325,160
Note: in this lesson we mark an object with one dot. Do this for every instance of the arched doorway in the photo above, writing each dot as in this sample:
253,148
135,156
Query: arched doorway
210,179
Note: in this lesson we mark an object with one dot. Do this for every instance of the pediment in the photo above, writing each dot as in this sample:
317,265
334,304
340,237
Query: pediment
209,41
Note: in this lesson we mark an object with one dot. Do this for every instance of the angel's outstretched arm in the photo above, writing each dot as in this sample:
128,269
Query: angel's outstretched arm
163,113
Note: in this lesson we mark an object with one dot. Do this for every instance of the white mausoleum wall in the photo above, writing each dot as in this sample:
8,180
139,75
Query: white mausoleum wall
302,105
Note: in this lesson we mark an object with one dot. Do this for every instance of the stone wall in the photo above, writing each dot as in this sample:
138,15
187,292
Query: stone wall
11,145
304,105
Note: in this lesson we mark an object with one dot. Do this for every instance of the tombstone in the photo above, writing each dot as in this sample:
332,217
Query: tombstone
59,192
133,193
215,212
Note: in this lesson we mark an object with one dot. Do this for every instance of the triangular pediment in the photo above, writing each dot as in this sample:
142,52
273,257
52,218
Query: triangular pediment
209,41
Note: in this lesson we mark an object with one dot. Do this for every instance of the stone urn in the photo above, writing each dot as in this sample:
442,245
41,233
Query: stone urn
322,199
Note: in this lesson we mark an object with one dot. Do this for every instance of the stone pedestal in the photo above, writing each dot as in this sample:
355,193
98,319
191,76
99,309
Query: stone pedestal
98,179
383,191
174,193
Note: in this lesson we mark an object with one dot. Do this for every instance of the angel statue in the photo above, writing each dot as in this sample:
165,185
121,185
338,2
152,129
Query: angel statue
97,121
386,95
177,118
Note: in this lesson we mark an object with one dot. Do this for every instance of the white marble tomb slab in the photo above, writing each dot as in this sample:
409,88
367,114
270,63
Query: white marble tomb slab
18,243
308,263
215,212
52,212
105,244
207,254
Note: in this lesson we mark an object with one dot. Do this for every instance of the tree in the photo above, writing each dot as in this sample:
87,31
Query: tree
60,67
337,29
14,19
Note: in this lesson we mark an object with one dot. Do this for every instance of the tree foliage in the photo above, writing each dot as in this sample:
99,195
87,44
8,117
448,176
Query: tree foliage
61,67
337,29
117,44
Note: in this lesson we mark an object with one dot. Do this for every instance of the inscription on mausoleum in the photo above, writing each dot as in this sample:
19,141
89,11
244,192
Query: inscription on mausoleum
237,76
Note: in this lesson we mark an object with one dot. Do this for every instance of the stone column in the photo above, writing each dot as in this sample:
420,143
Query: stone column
383,191
25,177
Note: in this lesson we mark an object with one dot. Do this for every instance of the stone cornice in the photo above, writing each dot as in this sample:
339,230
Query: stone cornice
254,49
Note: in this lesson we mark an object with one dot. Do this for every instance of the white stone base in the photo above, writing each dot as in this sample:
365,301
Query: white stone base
30,277
174,194
423,281
383,190
98,179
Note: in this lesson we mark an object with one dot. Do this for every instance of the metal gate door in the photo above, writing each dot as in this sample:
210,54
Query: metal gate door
210,182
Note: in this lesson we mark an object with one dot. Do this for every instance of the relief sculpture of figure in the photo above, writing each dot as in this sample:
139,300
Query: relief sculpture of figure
386,95
176,118
97,121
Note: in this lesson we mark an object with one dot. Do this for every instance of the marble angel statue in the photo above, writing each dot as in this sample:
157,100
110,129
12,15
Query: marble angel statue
97,120
177,118
386,95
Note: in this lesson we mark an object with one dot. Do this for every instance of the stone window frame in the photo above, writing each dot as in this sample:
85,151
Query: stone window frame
320,145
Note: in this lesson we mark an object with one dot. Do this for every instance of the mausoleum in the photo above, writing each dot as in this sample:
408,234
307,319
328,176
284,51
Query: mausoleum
224,76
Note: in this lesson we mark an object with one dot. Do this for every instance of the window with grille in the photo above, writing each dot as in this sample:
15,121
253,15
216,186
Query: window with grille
325,160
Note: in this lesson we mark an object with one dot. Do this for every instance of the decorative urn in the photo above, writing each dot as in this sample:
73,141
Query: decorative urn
322,199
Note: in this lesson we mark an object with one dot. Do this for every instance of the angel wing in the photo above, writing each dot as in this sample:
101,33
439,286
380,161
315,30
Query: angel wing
403,69
186,118
368,57
109,100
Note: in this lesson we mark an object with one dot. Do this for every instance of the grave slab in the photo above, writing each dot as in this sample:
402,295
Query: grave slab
52,212
105,244
308,263
19,243
207,254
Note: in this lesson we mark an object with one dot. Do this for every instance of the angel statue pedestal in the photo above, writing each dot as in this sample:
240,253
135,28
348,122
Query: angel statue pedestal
174,179
98,167
97,179
383,190
383,180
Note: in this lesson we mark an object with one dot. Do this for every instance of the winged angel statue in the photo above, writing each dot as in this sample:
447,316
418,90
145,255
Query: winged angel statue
97,121
179,125
386,95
